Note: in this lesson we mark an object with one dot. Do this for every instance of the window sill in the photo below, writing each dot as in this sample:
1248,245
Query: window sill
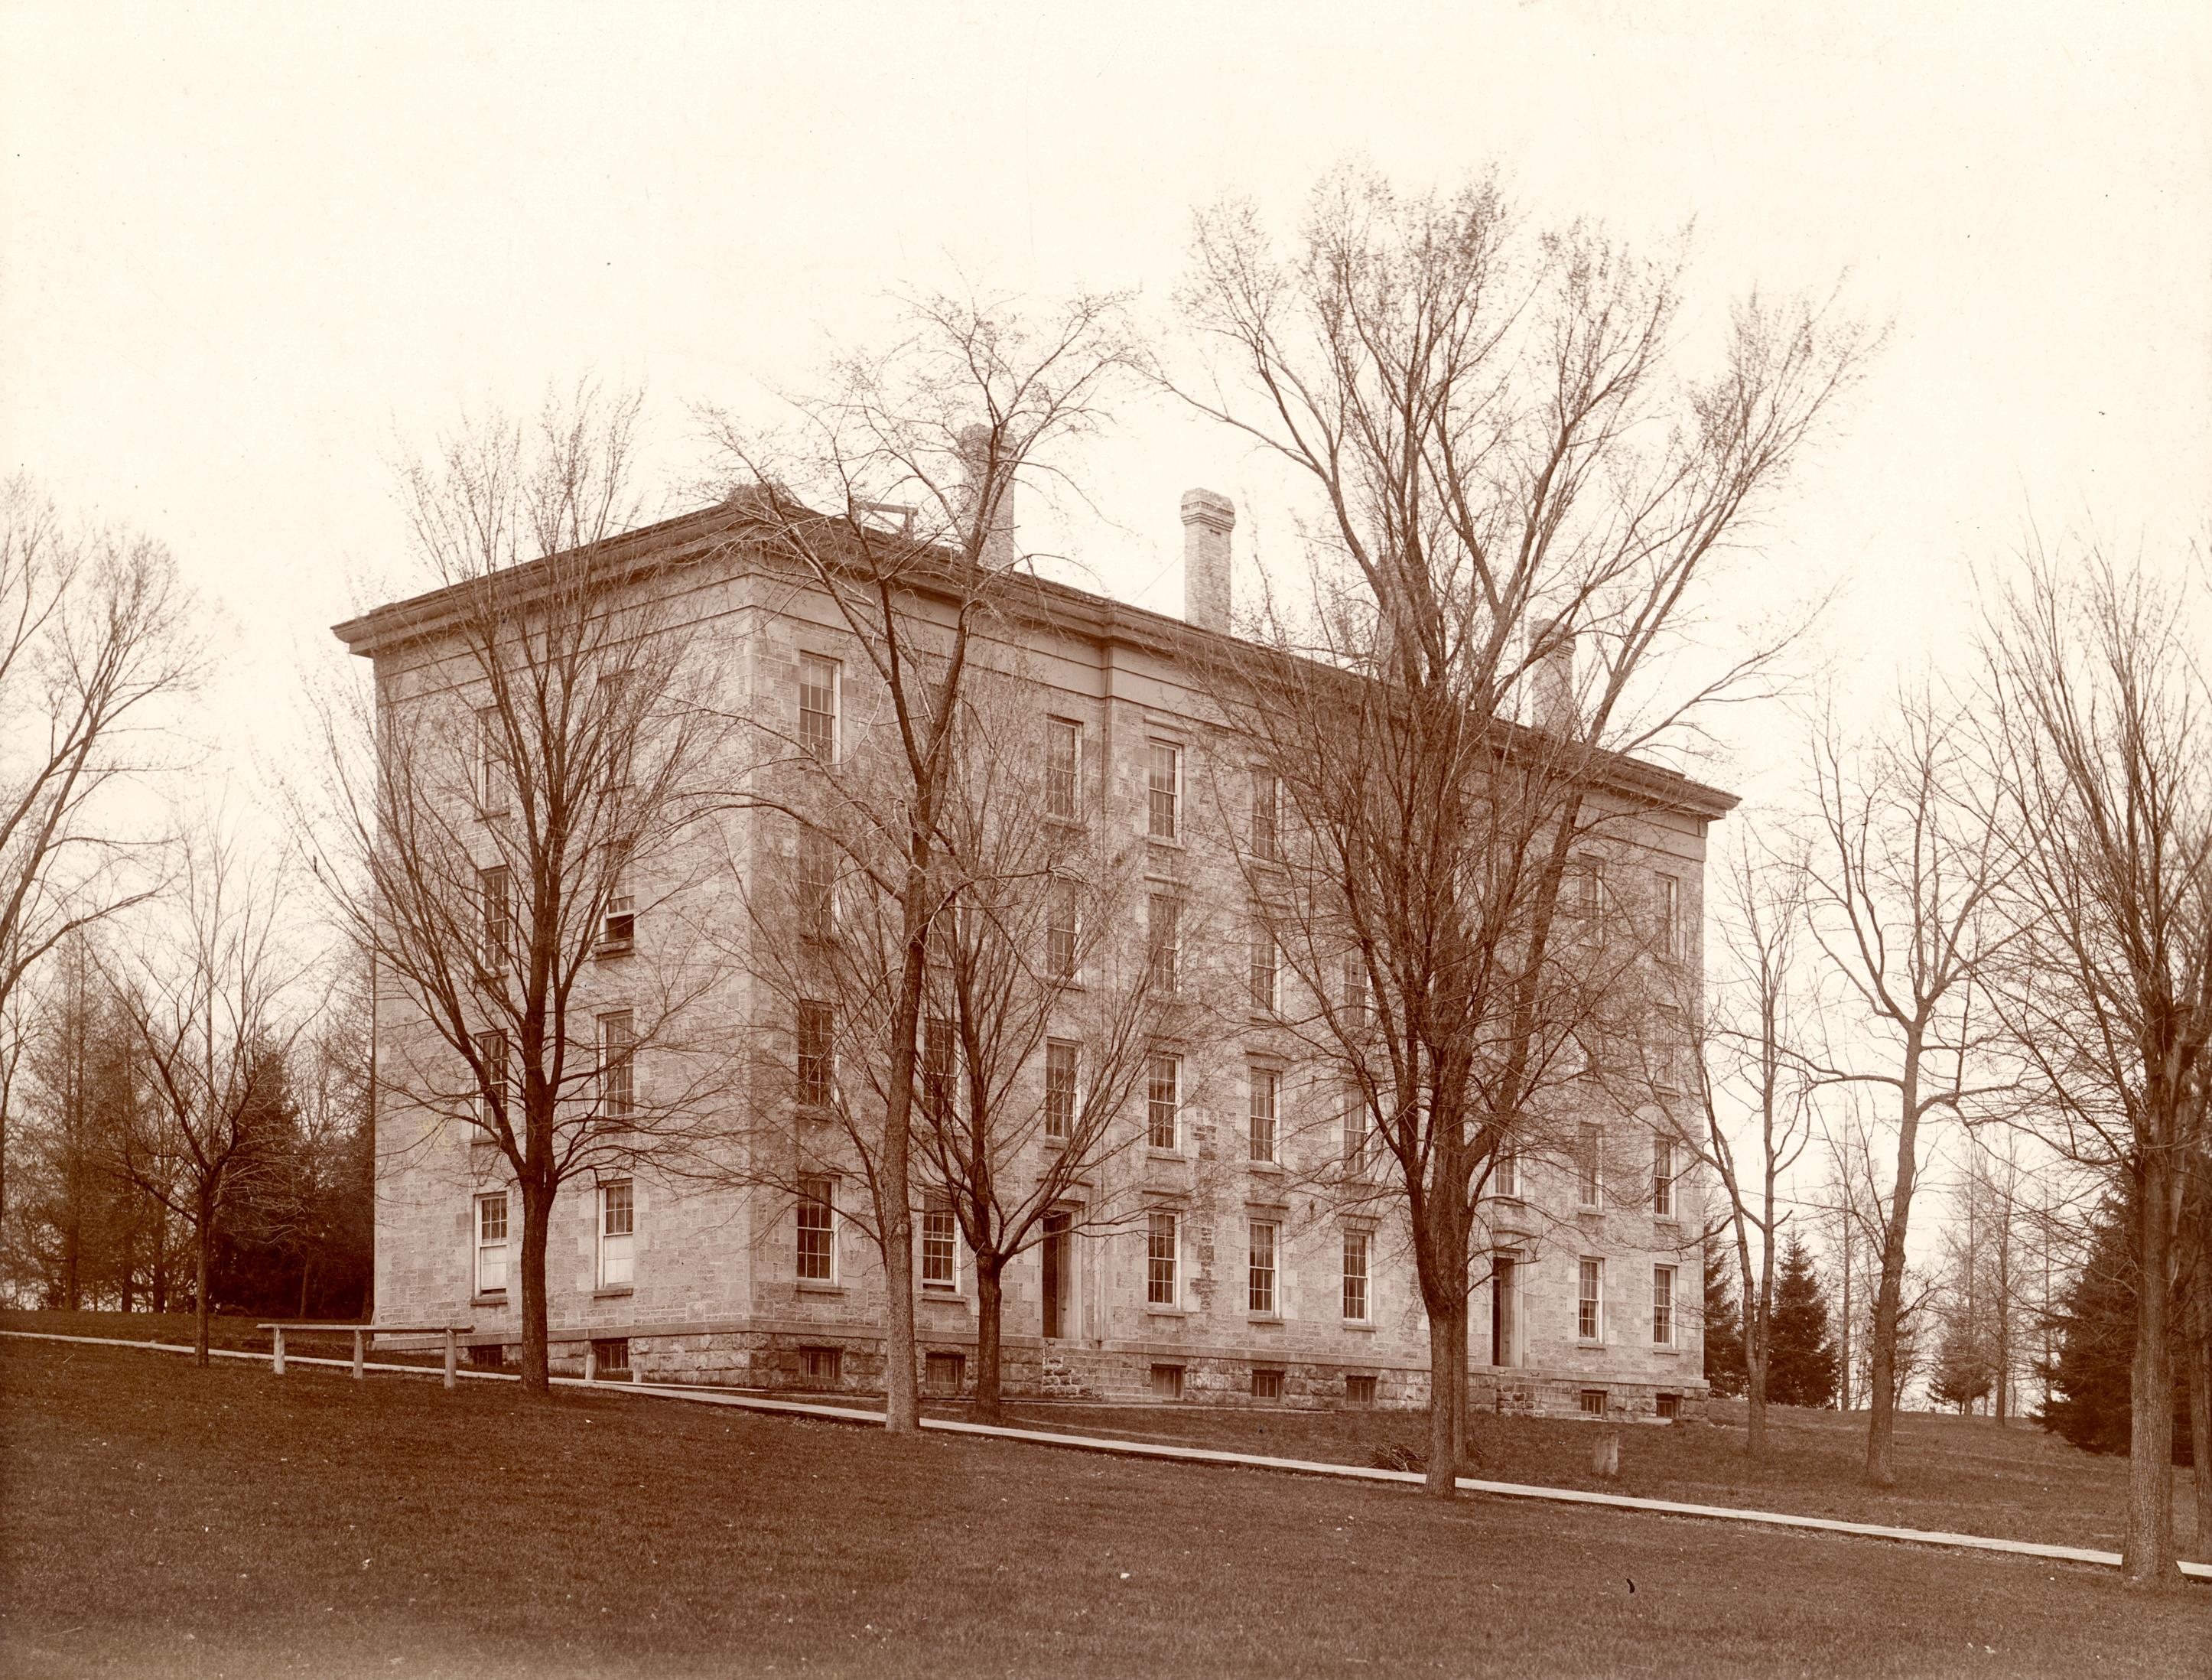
1272,1169
1154,1153
815,1285
1592,1341
931,1292
1263,1318
1153,1310
613,1292
603,953
1172,842
1671,1350
1366,1325
489,1297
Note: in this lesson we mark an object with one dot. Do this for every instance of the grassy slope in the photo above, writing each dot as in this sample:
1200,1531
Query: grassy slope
161,1519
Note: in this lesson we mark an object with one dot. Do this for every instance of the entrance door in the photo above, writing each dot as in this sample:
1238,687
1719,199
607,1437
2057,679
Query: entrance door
1057,1278
1503,1286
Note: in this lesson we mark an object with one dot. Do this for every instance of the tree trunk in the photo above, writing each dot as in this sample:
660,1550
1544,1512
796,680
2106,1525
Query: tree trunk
536,1225
203,1240
1442,1472
158,1285
894,1211
1881,1425
990,1306
1459,1390
2200,1410
2147,1555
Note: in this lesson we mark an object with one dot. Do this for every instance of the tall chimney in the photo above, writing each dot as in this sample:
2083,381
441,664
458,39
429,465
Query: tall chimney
975,460
1208,517
1551,682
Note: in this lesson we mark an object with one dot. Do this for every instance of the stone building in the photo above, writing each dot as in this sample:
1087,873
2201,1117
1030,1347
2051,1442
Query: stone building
1219,1277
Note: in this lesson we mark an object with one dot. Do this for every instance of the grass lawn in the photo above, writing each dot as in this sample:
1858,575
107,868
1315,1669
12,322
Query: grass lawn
161,1519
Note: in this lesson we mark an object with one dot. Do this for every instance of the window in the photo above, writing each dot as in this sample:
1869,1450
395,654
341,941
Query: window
491,1055
1266,1094
815,872
1263,967
1063,770
1164,1102
617,1229
1357,1004
1589,900
1266,814
1059,1065
1164,791
1358,1391
1589,1188
611,1356
943,1374
1589,1302
487,1356
491,780
936,1070
1662,1307
1593,1402
1164,940
1505,1178
940,1249
1668,1406
492,888
1267,1384
1161,1240
1355,1245
818,706
816,1056
1167,1382
1260,1268
1060,933
1670,916
817,1230
491,1245
617,1067
821,1368
1359,1136
618,927
1663,1176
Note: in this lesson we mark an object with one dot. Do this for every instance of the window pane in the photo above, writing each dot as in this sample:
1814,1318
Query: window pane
1587,1319
1060,932
817,1231
1160,1260
814,1055
1263,967
1059,1071
1163,786
1266,838
817,706
1163,938
1260,1293
1267,1085
1163,1101
618,1066
493,885
939,1248
1663,1305
1587,1153
1355,1275
1063,780
1663,1177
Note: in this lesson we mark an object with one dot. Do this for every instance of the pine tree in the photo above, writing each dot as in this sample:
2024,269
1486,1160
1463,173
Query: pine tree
1802,1367
1964,1372
1724,1366
2092,1377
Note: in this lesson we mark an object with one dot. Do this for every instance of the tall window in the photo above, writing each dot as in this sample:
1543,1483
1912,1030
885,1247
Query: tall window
1266,816
1589,1188
1662,1307
1059,1072
940,1248
815,1056
1663,1176
816,869
1355,1275
491,1052
817,706
1266,1094
1589,883
1161,1240
1589,1302
1061,916
1260,1268
1358,1134
1163,790
491,1245
492,889
1670,916
617,1066
936,1069
1164,1102
1505,1177
617,1231
1263,966
1063,768
818,1229
618,929
1357,1004
1164,939
491,778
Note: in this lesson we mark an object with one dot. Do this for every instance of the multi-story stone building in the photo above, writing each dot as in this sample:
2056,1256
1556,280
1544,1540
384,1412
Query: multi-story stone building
1228,1271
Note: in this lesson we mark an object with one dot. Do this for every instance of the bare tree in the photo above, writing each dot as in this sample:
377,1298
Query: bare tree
889,501
1902,876
508,810
93,637
2101,706
208,990
1505,466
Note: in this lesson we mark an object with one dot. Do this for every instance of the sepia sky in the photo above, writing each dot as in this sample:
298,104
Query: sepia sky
247,252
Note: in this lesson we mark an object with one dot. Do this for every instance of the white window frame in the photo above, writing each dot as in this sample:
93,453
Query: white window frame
617,1066
1663,1176
1670,917
1266,815
814,1093
1172,1103
1505,1177
1589,1299
815,663
1063,777
1662,1307
1063,1087
1171,831
1263,1251
491,783
1163,941
1590,1166
492,1052
944,1243
617,1227
618,927
1265,971
1063,933
497,912
1163,1248
488,1244
1359,1244
816,1190
1359,999
1268,1081
1359,1139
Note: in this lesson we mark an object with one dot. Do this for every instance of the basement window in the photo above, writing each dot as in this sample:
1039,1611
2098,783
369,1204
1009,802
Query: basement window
1669,1406
1267,1384
1167,1382
484,1357
821,1368
943,1373
1358,1391
611,1356
1593,1402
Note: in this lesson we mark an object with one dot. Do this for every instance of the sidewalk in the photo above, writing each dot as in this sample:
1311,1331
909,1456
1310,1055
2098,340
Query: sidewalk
1202,1455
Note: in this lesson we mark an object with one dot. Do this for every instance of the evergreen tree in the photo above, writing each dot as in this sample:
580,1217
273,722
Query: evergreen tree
2092,1378
1802,1366
1724,1365
1964,1370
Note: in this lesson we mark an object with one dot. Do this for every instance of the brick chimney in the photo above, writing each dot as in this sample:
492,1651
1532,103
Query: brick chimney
1552,681
976,461
1208,517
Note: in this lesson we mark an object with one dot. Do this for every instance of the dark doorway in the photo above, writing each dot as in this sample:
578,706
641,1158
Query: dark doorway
1057,1277
1502,1328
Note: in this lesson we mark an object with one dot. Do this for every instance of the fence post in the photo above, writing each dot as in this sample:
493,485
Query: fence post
591,1360
451,1362
279,1360
359,1337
